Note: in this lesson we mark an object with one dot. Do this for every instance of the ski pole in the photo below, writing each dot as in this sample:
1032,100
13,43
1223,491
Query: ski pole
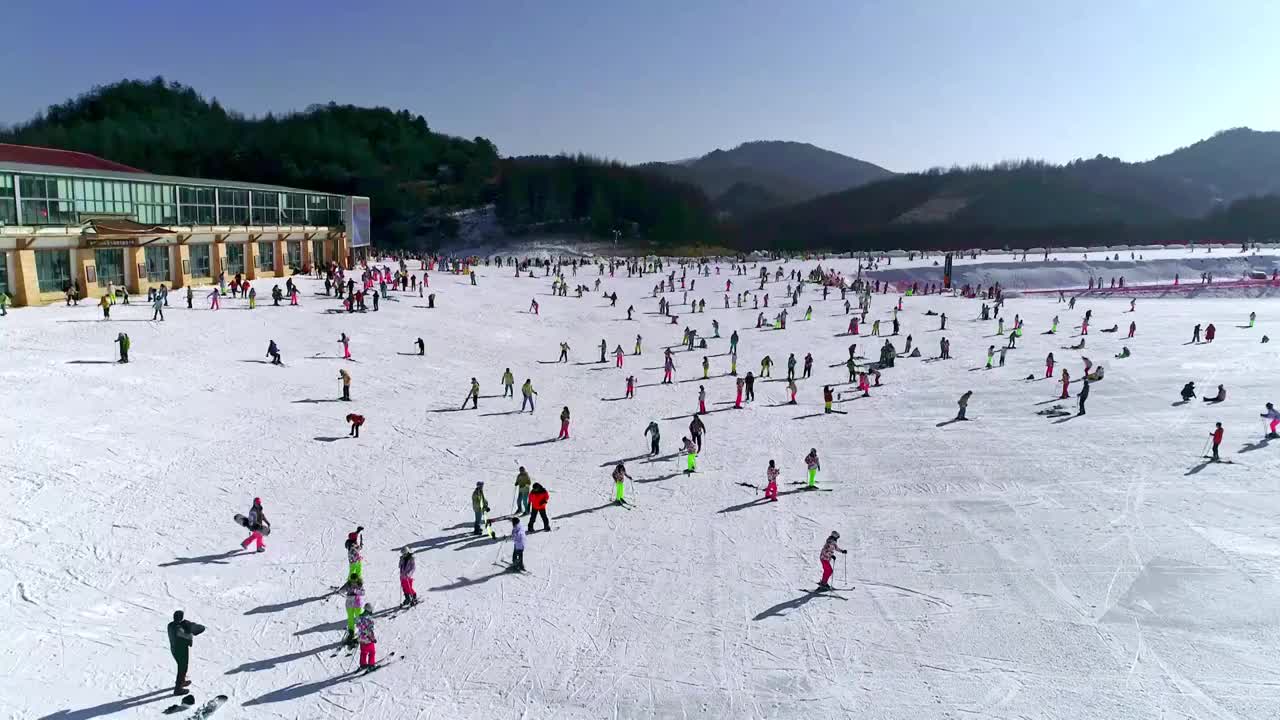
1206,447
498,556
844,576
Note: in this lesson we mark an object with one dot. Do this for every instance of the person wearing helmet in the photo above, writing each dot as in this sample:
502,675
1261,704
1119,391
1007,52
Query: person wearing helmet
407,566
355,561
479,505
256,521
353,588
828,556
771,486
811,461
523,483
366,638
1274,416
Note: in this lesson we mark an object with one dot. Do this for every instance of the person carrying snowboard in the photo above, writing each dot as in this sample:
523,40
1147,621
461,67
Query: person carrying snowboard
619,475
523,482
256,520
407,566
365,637
538,499
828,556
273,352
771,482
356,421
814,465
479,506
564,424
182,633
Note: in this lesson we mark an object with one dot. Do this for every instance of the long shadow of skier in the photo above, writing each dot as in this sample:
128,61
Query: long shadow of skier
270,663
1198,467
945,423
216,559
611,463
262,609
297,690
780,609
112,707
660,478
329,438
584,511
342,624
536,442
442,540
463,582
1250,447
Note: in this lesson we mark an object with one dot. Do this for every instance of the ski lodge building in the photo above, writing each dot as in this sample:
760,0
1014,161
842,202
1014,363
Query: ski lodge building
68,217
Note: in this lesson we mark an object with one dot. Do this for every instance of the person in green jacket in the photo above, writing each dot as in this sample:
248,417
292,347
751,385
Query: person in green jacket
123,341
508,384
4,303
528,392
523,483
479,505
181,635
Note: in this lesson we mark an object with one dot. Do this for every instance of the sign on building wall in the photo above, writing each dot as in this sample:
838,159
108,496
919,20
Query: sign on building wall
358,224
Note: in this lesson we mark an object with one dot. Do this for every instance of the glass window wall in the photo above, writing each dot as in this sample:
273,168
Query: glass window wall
53,270
157,262
235,259
266,255
110,266
199,265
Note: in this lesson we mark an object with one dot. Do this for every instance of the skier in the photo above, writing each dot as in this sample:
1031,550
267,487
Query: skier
696,430
737,400
750,385
508,384
353,588
157,307
122,339
1083,395
618,355
356,421
479,506
991,353
702,399
808,365
355,561
528,392
564,353
828,556
523,481
1220,397
791,366
964,404
215,299
533,306
668,366
273,351
407,566
792,389
619,475
631,386
637,351
346,384
1189,391
182,633
1209,332
517,547
538,500
1253,316
1195,334
691,455
655,435
765,365
827,398
1217,440
346,346
256,520
706,368
1133,328
422,347
564,424
473,395
1274,416
1048,366
1066,380
814,465
364,632
771,482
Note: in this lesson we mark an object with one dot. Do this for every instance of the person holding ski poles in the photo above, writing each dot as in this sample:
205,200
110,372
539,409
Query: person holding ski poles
353,588
365,637
538,499
479,505
619,475
1274,416
528,392
828,556
1216,436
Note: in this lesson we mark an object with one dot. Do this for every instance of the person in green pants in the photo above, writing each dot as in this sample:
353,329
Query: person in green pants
811,462
619,476
691,455
354,590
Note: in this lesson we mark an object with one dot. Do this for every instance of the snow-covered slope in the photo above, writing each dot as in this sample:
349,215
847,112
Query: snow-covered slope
1013,566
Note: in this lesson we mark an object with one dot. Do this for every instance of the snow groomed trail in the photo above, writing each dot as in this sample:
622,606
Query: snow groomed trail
1017,565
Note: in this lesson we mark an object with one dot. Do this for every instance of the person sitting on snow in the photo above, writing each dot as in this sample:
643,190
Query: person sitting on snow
1221,396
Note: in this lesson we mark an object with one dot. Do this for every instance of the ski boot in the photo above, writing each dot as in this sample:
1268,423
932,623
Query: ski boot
823,587
1272,436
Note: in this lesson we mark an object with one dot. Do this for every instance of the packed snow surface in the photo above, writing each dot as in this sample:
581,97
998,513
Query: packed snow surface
1016,565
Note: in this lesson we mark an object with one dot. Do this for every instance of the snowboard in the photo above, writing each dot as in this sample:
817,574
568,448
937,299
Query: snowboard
209,708
243,522
187,701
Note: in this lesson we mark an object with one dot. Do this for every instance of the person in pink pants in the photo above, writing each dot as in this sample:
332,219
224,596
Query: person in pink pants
828,556
364,635
771,487
255,521
407,566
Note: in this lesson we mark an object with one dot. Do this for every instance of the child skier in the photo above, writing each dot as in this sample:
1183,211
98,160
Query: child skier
619,475
771,483
365,636
517,546
346,346
273,352
1271,414
814,465
355,562
691,455
631,386
122,339
564,424
828,556
407,566
353,588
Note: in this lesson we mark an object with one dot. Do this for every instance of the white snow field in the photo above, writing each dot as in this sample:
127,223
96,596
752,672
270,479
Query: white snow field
1014,566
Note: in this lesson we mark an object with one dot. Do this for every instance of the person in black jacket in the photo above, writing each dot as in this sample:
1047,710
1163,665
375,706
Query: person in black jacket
181,634
1084,395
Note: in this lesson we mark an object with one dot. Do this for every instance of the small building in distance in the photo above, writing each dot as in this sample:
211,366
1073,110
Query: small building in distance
72,218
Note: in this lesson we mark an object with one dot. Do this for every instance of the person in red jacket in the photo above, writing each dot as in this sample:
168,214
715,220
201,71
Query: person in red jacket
1066,381
1209,332
1217,440
538,498
356,421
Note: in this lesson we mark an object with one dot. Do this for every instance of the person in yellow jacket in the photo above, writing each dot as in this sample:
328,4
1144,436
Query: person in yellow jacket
346,384
508,384
105,304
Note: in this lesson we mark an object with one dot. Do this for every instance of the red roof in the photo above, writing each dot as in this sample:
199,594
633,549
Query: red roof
31,155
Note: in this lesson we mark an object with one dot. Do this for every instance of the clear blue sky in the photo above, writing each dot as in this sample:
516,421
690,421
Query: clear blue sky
906,84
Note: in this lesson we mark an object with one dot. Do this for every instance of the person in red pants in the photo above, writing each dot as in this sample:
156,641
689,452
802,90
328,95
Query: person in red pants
256,521
564,424
1066,380
828,556
771,487
368,641
407,566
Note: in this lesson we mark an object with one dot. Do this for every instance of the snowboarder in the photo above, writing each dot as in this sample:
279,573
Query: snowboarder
273,352
527,391
963,402
356,421
538,501
564,424
479,506
346,384
814,465
182,633
256,521
828,556
517,546
122,339
407,566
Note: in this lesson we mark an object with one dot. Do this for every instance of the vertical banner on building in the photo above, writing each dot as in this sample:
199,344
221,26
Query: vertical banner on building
358,222
946,273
